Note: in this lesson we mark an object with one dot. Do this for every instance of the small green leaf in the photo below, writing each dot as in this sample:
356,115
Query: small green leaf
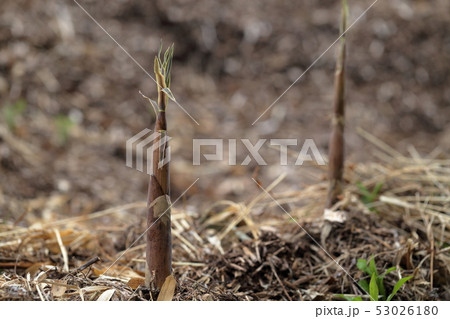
369,197
397,287
373,288
380,284
380,281
389,270
364,285
157,67
377,189
373,267
365,192
362,265
162,70
168,67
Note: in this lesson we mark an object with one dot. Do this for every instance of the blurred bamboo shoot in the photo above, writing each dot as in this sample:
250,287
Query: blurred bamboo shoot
336,143
159,239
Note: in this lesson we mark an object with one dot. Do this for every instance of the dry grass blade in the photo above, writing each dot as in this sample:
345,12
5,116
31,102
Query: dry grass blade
63,250
418,207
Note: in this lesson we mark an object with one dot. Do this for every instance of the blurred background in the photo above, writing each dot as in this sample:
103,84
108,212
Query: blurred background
70,95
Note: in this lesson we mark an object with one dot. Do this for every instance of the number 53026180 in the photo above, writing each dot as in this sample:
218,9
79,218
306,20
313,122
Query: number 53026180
404,310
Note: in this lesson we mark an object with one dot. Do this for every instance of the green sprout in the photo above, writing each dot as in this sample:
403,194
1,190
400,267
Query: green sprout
375,287
162,68
64,125
368,197
12,112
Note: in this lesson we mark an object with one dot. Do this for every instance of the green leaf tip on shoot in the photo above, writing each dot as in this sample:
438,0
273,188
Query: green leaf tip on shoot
163,66
344,16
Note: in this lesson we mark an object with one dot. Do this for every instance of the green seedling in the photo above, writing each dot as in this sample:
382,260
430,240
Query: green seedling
12,112
368,197
64,125
375,287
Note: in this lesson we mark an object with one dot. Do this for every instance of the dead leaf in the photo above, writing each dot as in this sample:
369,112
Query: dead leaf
168,289
106,295
207,297
135,282
58,290
116,271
